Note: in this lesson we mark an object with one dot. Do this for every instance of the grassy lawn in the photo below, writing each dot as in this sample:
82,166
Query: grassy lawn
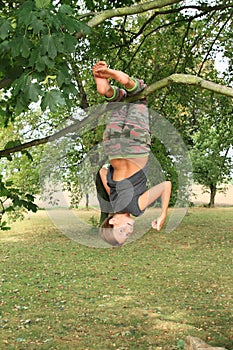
150,294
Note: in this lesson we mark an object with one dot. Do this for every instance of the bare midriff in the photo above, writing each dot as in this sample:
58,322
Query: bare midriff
127,167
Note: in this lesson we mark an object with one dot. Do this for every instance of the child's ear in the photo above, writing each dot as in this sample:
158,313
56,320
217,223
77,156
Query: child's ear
112,221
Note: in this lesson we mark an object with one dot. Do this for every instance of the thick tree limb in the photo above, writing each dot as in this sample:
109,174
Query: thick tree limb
185,79
189,79
74,127
130,10
151,5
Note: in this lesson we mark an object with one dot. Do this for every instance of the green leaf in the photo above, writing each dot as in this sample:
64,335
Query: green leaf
32,91
67,22
41,4
42,62
9,183
34,57
66,9
63,77
59,42
11,144
70,89
15,46
9,157
30,197
25,47
181,344
5,28
20,105
9,209
3,226
49,46
70,43
4,48
31,206
37,25
29,156
52,100
83,27
20,84
48,62
4,191
25,13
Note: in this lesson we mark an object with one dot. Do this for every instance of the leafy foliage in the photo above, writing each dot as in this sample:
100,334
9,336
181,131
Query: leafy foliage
211,147
37,40
15,199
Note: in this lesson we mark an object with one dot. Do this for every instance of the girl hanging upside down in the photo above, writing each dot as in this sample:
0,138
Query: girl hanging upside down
127,143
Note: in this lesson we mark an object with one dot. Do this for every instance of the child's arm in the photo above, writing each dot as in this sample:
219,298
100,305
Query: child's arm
162,190
103,176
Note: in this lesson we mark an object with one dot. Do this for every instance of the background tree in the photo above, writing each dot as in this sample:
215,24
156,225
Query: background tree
212,142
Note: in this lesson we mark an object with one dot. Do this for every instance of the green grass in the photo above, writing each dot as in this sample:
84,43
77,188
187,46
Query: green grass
150,294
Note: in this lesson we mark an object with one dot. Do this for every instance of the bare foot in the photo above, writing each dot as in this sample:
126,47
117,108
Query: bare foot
108,73
100,64
101,70
102,83
103,87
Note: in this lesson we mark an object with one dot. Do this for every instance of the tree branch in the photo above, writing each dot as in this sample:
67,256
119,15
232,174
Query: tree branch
154,5
130,10
74,127
188,79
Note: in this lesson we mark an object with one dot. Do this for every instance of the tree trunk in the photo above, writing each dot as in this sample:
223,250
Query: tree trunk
103,198
87,201
213,190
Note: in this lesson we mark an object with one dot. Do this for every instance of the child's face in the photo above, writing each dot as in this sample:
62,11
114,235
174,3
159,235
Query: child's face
123,228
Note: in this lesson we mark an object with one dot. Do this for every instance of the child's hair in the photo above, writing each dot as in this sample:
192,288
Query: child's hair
106,232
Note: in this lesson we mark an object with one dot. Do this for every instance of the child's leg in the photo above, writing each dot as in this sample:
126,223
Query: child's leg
103,87
102,83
